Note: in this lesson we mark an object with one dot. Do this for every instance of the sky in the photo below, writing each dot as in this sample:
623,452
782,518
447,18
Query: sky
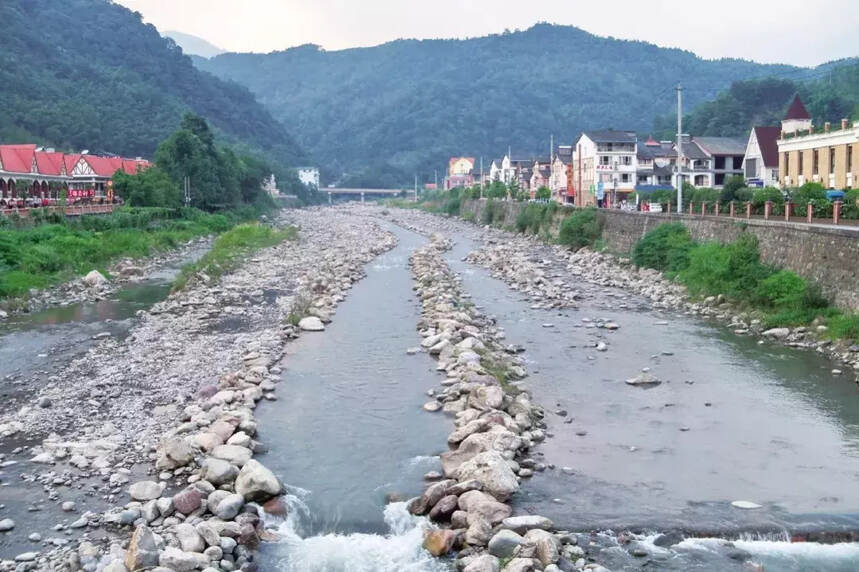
770,31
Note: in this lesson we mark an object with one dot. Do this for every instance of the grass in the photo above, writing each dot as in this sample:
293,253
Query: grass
779,297
48,250
231,248
499,372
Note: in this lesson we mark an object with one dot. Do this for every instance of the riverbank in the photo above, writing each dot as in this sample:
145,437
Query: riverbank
40,263
179,391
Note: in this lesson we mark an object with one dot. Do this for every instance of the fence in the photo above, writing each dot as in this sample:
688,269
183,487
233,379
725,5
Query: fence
787,212
69,210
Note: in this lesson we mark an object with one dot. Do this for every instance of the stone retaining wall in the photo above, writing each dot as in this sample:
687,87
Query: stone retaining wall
828,255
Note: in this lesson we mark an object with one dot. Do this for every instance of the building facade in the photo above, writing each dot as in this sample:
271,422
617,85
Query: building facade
827,155
604,167
760,164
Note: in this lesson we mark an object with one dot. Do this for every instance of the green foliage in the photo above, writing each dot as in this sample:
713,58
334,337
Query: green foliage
394,110
665,248
743,195
845,326
764,101
544,193
232,247
761,196
535,217
493,212
580,229
452,206
851,204
730,188
150,188
92,75
732,269
39,256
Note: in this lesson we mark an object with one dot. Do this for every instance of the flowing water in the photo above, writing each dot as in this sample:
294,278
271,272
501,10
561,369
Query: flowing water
732,420
349,433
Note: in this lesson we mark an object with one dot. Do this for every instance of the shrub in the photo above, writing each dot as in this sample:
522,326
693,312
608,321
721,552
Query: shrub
743,195
493,212
580,229
732,269
452,206
765,194
665,248
851,204
782,288
844,326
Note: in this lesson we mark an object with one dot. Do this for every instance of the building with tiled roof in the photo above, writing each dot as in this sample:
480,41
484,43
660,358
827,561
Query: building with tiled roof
760,164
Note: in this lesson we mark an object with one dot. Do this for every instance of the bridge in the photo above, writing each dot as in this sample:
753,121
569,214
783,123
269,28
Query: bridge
361,192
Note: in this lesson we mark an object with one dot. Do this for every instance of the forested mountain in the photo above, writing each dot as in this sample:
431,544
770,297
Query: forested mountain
386,112
89,74
831,95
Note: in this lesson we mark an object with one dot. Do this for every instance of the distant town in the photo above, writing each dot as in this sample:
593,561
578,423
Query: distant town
615,169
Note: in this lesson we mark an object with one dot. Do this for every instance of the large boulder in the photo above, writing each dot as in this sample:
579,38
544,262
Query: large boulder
431,496
95,279
491,469
218,471
497,439
524,523
174,453
483,563
187,501
311,324
233,454
547,546
189,539
256,483
480,504
145,490
486,397
181,561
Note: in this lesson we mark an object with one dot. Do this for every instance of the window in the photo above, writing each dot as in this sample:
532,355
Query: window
626,160
786,163
800,161
624,178
604,159
738,163
831,160
815,162
850,150
720,162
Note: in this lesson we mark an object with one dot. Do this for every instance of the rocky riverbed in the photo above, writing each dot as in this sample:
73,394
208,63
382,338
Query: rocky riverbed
158,429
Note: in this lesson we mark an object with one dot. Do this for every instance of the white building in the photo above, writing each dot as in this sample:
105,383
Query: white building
760,165
604,165
309,176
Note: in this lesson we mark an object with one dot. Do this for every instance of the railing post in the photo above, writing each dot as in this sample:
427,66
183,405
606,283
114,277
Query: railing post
836,211
716,206
703,208
732,209
787,207
768,209
810,213
691,208
669,208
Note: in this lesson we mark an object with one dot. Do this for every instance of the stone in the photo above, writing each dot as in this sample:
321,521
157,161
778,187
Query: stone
524,523
229,507
26,557
777,333
218,471
521,565
504,543
480,504
187,501
68,506
189,539
115,566
145,490
175,453
430,497
142,549
165,506
208,533
646,379
181,561
491,469
311,324
479,531
6,525
275,507
444,508
439,542
547,546
483,563
256,483
744,504
95,279
233,454
486,397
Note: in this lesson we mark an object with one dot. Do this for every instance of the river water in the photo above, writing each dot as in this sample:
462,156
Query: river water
348,430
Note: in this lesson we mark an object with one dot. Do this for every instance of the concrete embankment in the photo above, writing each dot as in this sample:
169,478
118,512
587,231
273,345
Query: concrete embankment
824,254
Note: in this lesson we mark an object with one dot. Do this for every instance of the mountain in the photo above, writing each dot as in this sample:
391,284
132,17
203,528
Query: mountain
387,112
194,45
830,94
88,74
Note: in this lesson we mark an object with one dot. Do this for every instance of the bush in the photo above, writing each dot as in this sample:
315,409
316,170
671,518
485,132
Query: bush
580,229
493,212
844,326
665,248
732,269
452,206
761,196
783,288
743,195
535,217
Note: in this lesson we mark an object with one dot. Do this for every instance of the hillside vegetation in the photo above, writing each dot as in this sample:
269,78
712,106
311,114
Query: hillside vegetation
384,113
831,95
88,74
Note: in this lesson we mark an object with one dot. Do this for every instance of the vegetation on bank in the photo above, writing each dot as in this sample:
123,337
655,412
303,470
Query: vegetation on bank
734,270
232,247
56,249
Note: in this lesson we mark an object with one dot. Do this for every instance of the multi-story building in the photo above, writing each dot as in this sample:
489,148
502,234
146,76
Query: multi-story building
710,161
825,155
604,165
656,161
760,165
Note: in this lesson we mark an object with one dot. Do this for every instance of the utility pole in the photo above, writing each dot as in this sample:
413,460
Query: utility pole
435,175
481,176
416,188
187,197
679,148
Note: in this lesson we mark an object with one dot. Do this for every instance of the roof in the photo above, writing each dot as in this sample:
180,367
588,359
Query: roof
721,145
691,150
49,163
768,143
797,110
17,158
611,136
651,142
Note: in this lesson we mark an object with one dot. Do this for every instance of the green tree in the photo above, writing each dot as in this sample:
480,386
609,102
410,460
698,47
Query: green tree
544,193
149,188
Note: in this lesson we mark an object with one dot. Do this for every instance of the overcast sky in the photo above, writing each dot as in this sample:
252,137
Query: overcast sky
762,30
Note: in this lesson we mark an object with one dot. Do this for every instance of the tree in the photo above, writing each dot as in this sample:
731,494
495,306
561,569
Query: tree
732,185
151,187
544,193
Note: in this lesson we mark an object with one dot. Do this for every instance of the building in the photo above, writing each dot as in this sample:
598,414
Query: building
541,174
460,166
825,155
28,171
558,182
604,167
760,164
309,176
710,161
269,185
655,165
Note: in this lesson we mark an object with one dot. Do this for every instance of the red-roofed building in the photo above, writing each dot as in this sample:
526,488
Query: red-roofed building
29,172
760,164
